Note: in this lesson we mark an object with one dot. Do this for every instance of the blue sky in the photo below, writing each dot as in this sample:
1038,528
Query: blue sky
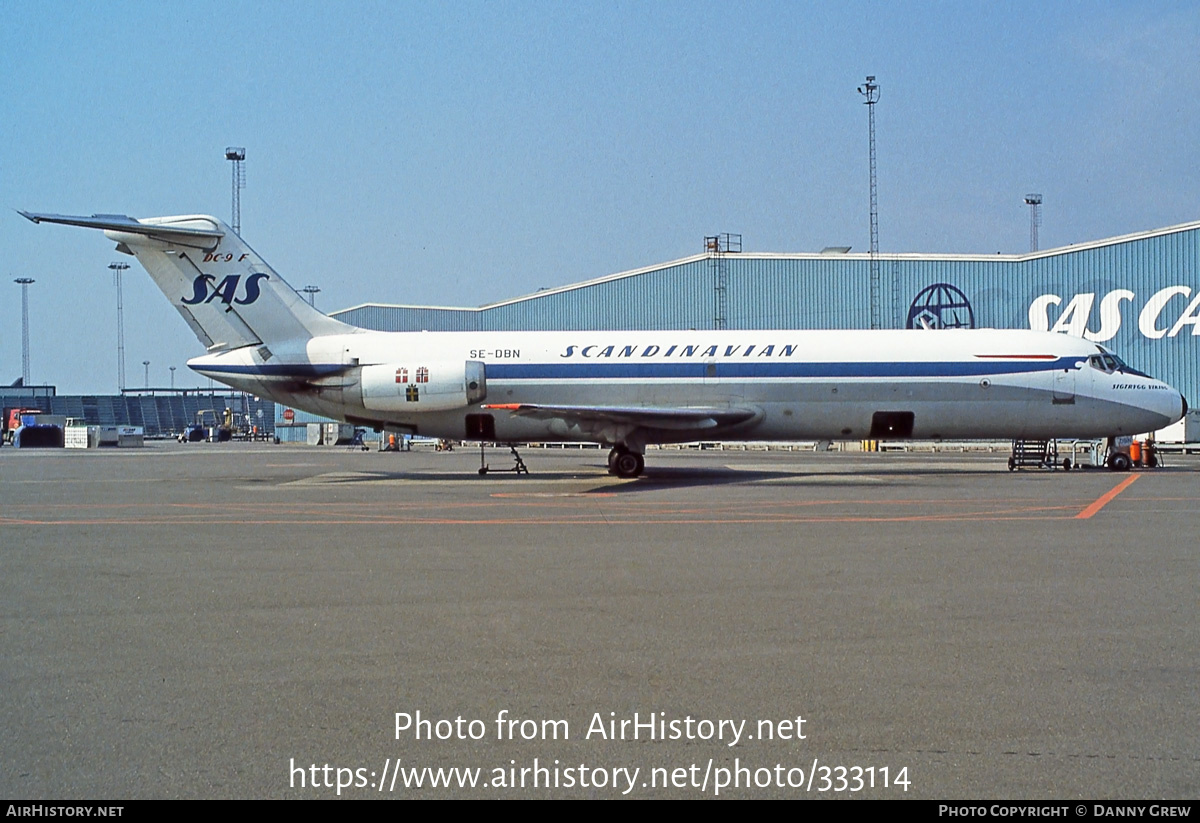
458,153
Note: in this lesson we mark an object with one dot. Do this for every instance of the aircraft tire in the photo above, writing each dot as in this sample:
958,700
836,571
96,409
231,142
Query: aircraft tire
628,464
1120,463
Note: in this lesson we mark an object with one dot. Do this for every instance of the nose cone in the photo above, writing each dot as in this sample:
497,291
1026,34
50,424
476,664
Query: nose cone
1153,405
1180,406
1172,406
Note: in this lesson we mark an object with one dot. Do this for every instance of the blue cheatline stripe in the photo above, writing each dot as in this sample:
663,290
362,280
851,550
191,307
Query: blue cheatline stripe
586,371
694,371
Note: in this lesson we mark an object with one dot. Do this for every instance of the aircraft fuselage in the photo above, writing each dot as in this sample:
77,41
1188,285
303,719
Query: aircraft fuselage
628,389
799,384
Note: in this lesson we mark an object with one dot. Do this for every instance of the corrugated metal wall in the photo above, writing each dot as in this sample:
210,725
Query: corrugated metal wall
159,415
807,291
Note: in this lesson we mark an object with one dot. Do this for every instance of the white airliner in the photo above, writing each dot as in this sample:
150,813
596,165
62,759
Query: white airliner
627,389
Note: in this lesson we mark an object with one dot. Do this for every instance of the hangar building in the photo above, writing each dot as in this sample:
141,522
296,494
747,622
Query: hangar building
1138,295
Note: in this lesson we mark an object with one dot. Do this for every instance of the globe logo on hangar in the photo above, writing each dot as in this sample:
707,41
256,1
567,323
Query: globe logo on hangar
940,306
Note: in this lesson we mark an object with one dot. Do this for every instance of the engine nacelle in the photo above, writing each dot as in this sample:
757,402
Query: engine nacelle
423,386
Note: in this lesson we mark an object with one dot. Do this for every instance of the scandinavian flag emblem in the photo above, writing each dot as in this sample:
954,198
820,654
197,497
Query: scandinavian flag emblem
412,393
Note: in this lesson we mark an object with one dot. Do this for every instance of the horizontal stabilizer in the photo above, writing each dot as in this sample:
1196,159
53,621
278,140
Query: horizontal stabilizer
188,234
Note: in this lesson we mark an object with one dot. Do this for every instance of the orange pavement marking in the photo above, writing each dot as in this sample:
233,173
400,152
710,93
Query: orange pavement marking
1106,498
520,510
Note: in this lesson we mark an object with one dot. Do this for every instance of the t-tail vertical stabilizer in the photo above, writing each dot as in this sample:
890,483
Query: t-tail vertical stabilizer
228,295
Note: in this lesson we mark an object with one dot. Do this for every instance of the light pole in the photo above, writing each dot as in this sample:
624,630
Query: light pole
24,283
312,292
237,155
146,379
870,93
1034,201
172,378
118,269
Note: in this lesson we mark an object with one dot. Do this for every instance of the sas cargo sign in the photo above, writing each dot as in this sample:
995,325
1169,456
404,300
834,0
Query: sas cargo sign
1168,312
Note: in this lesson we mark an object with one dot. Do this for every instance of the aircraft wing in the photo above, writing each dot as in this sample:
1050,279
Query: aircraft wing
676,418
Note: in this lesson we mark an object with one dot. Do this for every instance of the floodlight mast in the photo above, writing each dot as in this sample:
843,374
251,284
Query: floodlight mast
118,269
870,91
1034,201
237,156
24,283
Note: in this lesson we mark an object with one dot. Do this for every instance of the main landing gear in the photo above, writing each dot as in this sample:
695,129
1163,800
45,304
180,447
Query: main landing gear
624,463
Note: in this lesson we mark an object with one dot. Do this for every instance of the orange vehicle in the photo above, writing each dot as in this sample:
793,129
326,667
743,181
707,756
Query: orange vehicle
12,421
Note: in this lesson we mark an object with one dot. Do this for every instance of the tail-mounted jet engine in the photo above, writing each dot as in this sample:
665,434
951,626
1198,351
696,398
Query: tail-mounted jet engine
423,386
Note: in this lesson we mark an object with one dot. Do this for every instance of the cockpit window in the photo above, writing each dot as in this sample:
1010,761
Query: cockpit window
1127,369
1109,363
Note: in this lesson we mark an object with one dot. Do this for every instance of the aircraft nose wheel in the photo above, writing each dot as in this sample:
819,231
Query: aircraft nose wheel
624,463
